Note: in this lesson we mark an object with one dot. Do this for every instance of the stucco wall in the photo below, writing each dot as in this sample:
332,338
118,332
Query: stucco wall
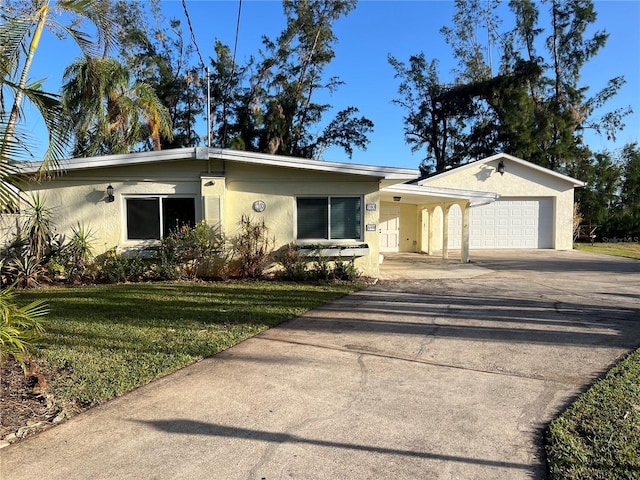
80,196
518,181
278,187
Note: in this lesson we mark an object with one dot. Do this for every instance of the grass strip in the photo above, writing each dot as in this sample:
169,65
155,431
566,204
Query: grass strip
619,249
598,436
105,340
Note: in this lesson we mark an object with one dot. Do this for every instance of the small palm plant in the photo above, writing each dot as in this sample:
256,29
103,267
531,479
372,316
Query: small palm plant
79,251
38,227
20,327
26,272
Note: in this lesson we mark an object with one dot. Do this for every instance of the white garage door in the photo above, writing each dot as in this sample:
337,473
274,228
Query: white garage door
506,223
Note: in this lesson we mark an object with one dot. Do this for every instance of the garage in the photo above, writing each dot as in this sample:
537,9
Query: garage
510,223
534,208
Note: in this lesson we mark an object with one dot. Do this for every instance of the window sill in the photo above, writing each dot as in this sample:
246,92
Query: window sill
357,250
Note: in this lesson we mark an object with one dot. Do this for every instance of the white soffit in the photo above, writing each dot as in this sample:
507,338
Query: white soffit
424,194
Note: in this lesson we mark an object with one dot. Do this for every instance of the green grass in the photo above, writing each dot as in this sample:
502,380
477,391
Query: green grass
598,436
623,249
108,339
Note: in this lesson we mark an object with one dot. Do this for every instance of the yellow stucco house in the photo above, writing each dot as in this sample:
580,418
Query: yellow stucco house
131,201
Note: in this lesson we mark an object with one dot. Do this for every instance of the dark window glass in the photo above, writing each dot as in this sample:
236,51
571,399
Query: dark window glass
143,218
346,217
343,214
177,213
313,218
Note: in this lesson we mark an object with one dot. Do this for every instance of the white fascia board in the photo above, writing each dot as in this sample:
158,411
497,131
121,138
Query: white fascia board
452,193
575,182
116,160
204,153
391,173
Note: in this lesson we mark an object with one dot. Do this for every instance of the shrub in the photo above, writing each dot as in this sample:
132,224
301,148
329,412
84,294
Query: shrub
346,270
189,252
20,327
79,252
252,247
26,272
38,226
118,268
294,265
321,269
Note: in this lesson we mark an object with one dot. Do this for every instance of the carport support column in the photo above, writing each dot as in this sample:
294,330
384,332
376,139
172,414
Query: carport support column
445,230
430,232
464,250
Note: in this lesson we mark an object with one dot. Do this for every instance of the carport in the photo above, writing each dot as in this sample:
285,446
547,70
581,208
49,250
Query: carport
415,218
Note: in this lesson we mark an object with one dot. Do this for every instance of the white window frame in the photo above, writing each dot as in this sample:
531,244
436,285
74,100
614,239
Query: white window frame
161,198
330,239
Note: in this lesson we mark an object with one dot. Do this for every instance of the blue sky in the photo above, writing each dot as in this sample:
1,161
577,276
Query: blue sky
365,38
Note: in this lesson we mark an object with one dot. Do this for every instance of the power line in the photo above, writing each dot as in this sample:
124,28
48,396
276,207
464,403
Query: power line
233,71
193,36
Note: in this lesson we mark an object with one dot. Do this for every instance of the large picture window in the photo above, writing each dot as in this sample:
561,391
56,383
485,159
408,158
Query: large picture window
153,218
329,218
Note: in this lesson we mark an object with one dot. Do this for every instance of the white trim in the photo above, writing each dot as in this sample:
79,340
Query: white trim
204,153
473,196
575,182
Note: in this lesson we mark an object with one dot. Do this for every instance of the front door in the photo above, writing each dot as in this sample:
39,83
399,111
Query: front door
389,228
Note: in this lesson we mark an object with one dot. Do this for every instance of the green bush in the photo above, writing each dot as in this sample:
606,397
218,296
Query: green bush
296,266
20,327
192,252
118,268
346,270
321,269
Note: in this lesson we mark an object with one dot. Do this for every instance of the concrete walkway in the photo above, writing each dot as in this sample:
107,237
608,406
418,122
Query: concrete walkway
414,378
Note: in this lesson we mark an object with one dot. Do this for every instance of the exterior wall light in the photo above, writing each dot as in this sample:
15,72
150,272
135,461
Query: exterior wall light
501,167
110,197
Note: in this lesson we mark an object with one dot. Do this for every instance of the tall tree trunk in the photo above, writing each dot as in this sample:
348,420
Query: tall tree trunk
17,103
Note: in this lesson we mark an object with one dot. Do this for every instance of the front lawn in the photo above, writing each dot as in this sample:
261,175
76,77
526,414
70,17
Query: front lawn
620,249
598,437
101,341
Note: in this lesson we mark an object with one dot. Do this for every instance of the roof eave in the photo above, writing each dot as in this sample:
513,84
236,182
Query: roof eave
574,181
204,153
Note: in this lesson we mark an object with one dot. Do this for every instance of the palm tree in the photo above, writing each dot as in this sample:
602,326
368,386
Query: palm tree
107,113
21,28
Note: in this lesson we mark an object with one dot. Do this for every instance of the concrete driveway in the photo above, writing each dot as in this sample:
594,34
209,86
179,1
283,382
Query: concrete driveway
444,376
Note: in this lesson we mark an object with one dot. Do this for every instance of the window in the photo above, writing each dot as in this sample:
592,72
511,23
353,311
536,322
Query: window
329,218
153,218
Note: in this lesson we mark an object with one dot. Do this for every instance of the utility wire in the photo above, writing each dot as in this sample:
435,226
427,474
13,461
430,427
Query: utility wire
193,36
233,71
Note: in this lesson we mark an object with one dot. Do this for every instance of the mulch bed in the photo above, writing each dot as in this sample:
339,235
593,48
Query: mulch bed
26,406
